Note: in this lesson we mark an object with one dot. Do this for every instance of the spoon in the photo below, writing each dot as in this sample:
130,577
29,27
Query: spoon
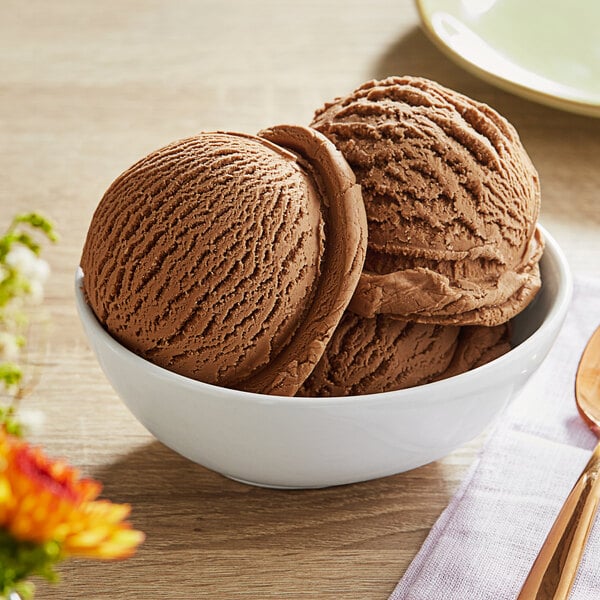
553,572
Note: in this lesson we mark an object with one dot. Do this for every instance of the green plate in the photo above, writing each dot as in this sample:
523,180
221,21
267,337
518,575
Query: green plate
545,51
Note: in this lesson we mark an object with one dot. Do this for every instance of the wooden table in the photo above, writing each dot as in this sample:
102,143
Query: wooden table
87,88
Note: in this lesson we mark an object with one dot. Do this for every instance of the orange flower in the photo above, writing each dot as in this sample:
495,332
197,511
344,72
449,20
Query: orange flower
43,500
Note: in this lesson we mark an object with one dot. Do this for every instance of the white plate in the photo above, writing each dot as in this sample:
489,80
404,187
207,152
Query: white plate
545,51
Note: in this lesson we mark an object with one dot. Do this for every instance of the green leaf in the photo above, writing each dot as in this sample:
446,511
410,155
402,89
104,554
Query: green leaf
9,421
20,560
26,240
10,374
37,221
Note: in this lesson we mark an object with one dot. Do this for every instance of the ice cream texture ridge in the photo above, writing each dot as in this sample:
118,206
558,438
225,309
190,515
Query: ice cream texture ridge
387,245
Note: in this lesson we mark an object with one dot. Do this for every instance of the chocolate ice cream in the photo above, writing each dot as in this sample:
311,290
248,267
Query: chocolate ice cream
237,260
452,201
477,345
229,258
380,354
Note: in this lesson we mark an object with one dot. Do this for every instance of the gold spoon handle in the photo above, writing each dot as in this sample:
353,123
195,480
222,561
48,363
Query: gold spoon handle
553,572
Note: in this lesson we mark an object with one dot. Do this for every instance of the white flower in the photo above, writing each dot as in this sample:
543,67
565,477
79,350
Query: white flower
28,263
22,259
9,346
32,419
32,268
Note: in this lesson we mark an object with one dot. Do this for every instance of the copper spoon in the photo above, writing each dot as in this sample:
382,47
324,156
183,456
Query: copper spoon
553,572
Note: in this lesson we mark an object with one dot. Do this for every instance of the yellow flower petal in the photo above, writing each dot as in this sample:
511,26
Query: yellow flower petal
121,544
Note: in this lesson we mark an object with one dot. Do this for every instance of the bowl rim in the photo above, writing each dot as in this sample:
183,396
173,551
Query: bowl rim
430,392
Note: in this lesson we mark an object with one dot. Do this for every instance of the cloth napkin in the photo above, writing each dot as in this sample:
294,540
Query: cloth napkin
484,543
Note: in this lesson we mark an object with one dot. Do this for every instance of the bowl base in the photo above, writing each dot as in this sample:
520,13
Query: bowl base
271,486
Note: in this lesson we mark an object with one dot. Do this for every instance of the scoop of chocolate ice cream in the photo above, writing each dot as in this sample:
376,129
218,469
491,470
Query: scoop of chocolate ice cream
476,346
452,200
381,354
229,258
368,355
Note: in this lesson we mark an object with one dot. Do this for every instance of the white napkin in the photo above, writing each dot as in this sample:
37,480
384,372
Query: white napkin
485,542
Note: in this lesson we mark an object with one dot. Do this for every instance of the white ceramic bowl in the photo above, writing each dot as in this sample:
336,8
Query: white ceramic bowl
316,442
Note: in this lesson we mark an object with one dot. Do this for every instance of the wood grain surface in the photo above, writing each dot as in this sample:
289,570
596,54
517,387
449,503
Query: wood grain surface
87,88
